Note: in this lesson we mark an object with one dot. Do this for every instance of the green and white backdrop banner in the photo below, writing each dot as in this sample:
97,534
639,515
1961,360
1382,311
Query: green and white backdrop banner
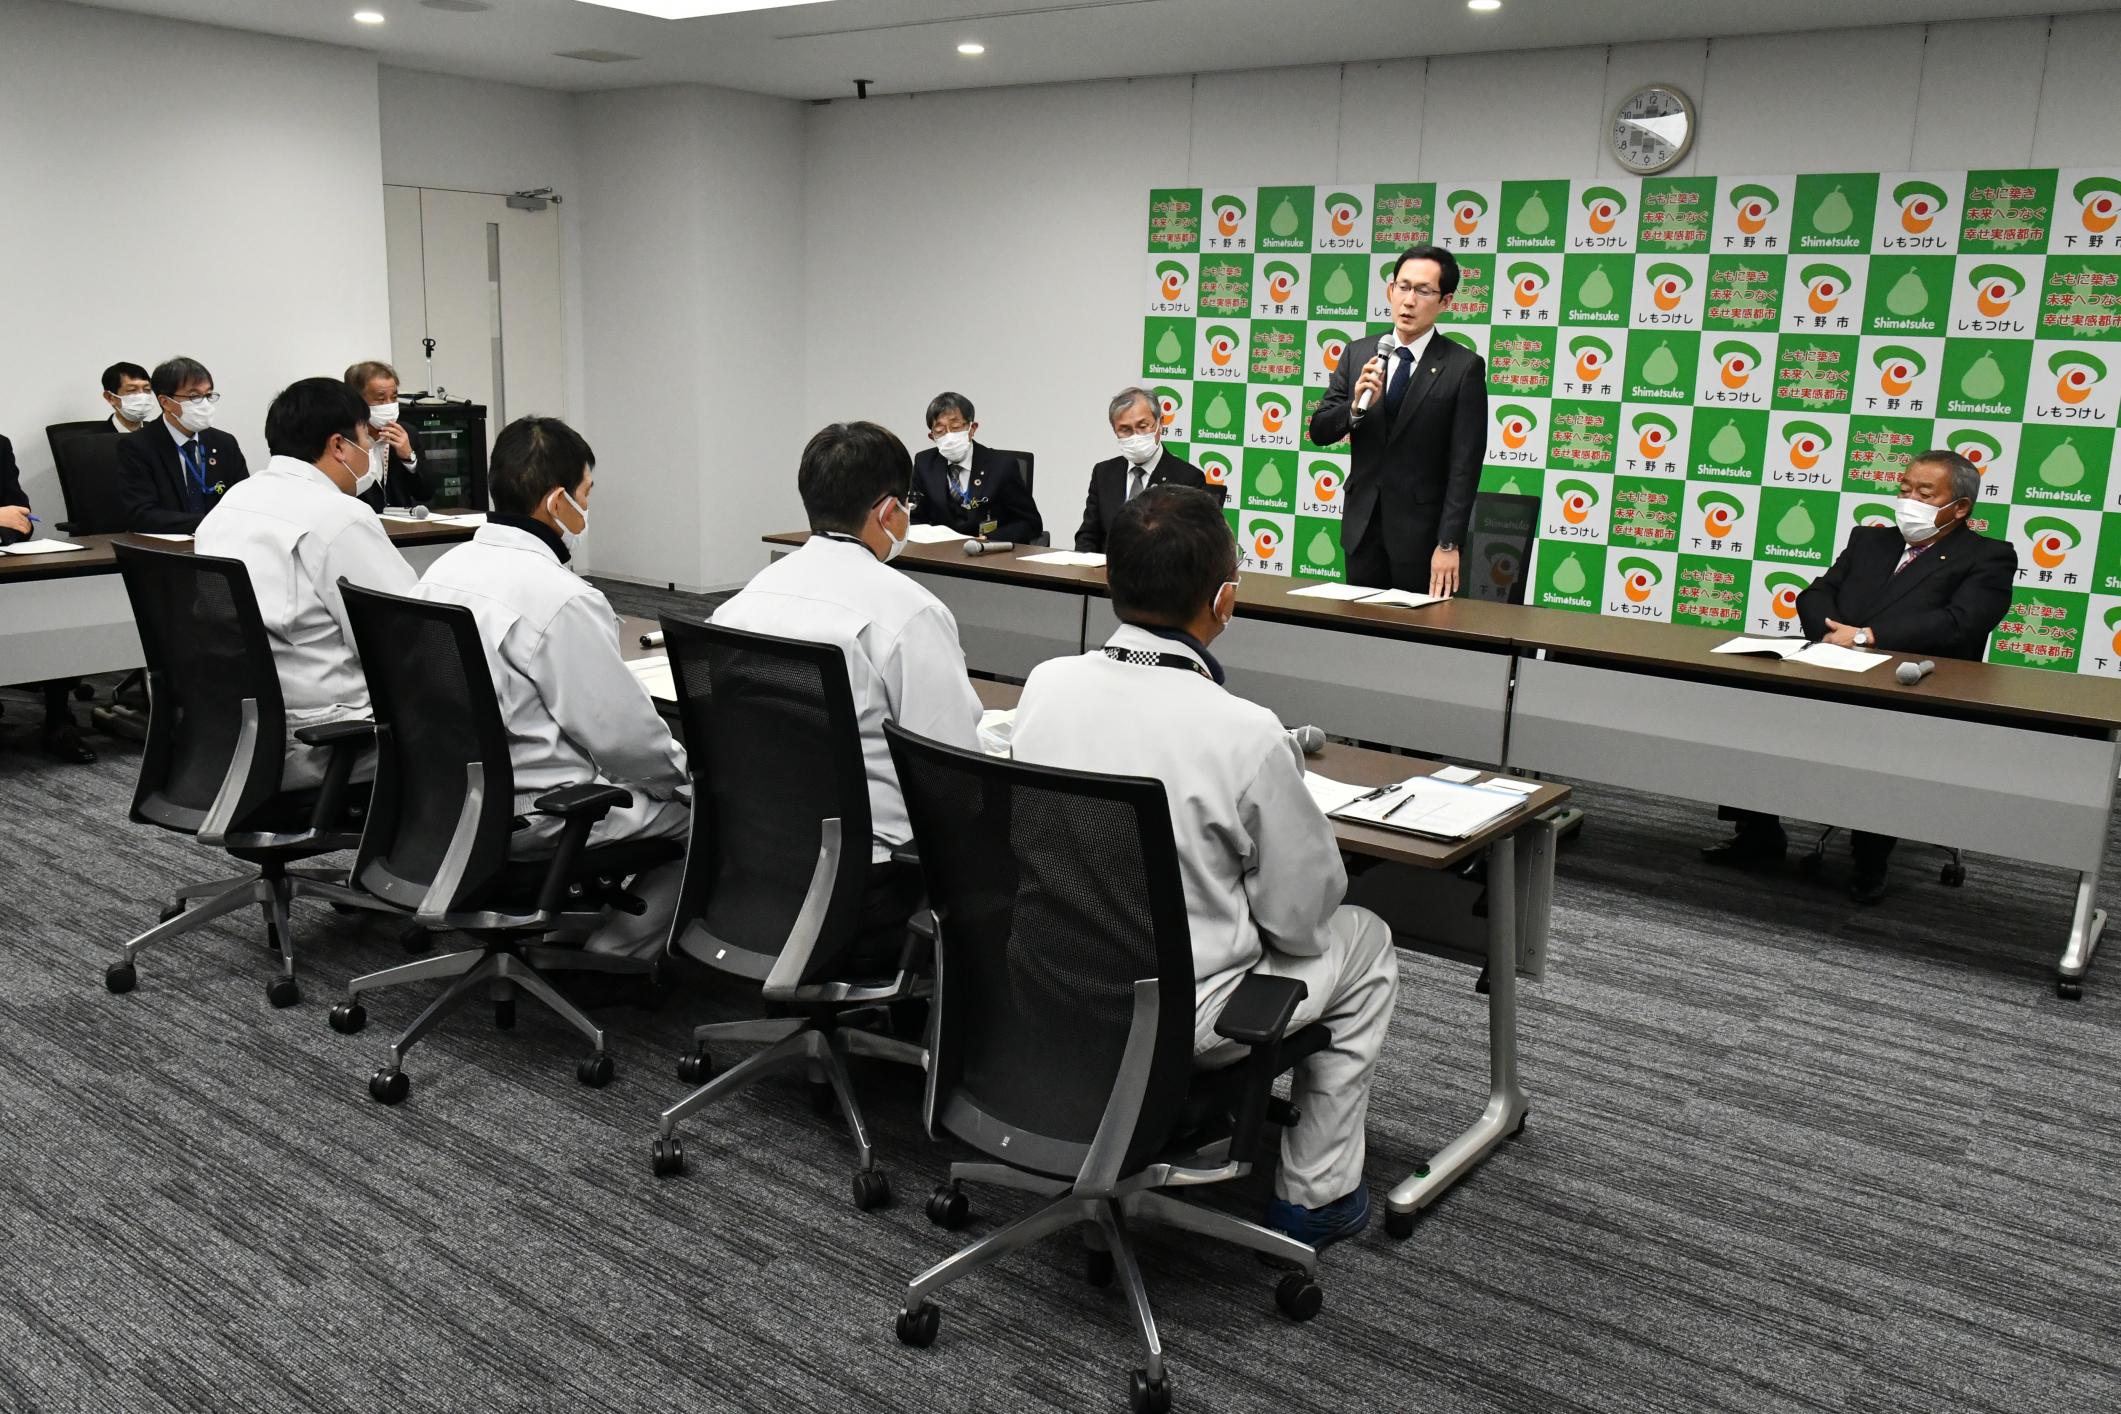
1708,382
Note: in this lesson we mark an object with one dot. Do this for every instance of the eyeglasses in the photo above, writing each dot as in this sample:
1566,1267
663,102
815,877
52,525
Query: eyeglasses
208,398
1402,287
941,430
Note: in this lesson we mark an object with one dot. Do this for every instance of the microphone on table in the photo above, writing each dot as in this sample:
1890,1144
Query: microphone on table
1308,738
1912,673
652,640
989,547
1386,343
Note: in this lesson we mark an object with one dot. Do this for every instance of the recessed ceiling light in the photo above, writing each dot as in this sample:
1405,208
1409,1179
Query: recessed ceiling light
693,9
1484,6
368,17
972,49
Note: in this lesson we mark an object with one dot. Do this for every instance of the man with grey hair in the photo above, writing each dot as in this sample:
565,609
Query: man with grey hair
1928,586
1138,422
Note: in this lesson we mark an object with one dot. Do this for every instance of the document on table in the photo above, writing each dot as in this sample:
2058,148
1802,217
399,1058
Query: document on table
1364,594
1796,650
1427,806
934,534
469,521
401,518
654,674
173,539
1331,795
42,547
1082,559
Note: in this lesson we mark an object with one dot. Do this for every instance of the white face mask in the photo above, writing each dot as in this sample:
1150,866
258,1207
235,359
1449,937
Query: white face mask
898,542
1232,586
382,414
378,463
195,414
363,477
1918,519
573,539
955,446
1139,448
138,407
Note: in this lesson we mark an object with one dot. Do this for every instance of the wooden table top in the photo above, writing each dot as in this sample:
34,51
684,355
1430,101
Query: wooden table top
98,558
1354,764
1980,691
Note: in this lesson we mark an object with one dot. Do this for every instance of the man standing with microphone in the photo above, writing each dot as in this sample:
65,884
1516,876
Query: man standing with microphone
1416,419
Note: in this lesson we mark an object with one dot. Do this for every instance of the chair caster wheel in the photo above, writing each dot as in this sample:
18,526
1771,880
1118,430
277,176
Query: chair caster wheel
1811,865
918,1326
173,909
1952,875
415,939
2067,988
504,1014
872,1189
1147,1396
1480,983
667,1155
1401,1225
1518,1128
1098,1268
348,1017
389,1087
696,1067
596,1070
822,1100
121,977
283,992
1299,1296
949,1208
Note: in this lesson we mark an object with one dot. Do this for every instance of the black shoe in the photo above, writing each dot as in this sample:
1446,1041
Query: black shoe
1867,889
1745,851
64,744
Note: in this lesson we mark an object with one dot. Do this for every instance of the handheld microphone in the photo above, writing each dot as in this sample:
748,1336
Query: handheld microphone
1386,343
1912,673
989,547
1308,738
652,640
419,513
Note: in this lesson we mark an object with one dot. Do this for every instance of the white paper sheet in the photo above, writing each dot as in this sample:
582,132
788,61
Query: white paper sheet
1784,648
1333,591
1081,558
1463,775
1845,660
42,547
654,674
1402,599
934,535
1511,784
173,539
1331,795
1427,806
471,520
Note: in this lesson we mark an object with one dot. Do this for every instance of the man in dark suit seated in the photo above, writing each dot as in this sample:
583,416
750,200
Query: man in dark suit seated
62,739
1413,406
1139,424
975,490
172,472
1931,586
398,481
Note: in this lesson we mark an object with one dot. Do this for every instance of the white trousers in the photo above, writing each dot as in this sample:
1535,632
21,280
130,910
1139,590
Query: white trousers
1352,987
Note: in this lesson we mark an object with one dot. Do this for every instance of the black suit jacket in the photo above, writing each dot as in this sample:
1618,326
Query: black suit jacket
401,485
1108,494
996,489
1412,475
152,495
11,493
1945,604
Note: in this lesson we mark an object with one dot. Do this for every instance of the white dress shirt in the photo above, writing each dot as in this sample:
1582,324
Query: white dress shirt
904,661
574,712
1259,860
1419,347
1147,468
298,534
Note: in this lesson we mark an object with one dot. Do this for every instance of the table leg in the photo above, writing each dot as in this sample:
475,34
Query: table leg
1505,1113
2085,926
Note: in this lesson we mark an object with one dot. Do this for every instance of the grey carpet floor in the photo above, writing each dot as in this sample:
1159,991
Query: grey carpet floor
1785,1154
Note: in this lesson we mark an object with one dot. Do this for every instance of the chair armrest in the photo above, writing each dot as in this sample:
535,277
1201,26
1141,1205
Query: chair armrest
64,527
591,799
333,733
926,923
1260,1010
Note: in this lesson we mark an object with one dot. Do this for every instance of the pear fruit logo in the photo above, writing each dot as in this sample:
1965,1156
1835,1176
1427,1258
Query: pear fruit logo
2063,467
1322,549
1908,296
1796,526
1727,447
1834,214
1569,577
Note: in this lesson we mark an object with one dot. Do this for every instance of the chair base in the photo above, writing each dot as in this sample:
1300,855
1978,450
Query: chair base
1111,1247
498,971
792,1043
273,887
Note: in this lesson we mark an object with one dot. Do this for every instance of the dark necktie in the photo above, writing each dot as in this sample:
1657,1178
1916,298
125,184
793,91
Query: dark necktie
195,469
1136,478
1402,374
957,481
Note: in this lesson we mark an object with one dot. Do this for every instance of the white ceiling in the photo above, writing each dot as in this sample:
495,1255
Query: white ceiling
817,50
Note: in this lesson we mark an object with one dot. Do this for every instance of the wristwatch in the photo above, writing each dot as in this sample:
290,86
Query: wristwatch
1447,547
1863,638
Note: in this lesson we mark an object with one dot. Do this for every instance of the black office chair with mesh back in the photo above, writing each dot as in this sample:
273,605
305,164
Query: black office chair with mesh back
1027,461
439,829
1061,1044
216,740
776,873
85,454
